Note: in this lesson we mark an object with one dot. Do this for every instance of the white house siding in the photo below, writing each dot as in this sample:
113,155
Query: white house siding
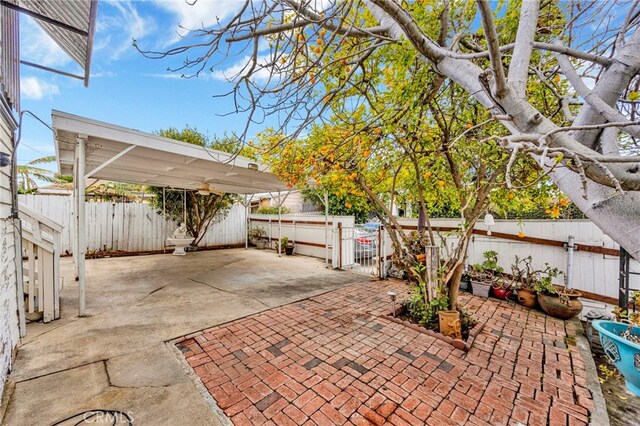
9,333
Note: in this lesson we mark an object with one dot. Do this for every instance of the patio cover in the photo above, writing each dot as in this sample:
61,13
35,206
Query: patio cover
88,148
125,155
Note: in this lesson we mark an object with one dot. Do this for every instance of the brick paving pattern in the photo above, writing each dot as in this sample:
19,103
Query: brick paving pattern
335,359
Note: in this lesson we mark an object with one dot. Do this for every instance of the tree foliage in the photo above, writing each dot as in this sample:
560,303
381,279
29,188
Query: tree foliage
524,64
202,211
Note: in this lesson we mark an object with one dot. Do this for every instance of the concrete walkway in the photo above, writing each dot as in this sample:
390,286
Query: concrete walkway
116,358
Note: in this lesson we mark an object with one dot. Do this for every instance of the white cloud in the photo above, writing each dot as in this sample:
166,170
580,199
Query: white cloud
167,76
237,70
35,88
36,46
202,13
116,31
107,74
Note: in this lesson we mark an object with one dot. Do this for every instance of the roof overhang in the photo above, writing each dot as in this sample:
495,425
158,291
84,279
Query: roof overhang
120,154
70,23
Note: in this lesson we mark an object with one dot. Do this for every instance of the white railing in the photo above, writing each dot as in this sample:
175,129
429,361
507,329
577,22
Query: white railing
41,263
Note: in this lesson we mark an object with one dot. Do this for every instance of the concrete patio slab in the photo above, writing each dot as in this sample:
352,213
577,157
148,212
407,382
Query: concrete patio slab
115,357
336,359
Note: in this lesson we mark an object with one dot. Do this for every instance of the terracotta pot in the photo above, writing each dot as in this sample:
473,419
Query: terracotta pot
556,307
527,298
502,293
450,324
421,257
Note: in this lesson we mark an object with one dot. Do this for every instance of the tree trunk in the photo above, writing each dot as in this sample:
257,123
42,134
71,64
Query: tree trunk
454,285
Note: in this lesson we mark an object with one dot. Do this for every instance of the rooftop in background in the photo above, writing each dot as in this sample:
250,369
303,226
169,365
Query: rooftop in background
125,155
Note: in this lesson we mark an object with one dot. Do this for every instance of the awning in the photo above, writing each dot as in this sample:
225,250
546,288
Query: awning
125,155
70,23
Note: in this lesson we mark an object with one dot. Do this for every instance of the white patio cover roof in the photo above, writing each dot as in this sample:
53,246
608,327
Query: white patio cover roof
125,155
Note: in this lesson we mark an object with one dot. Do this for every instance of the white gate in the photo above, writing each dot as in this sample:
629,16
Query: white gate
362,249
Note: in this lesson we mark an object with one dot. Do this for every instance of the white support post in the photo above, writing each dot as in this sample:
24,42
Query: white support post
74,216
246,223
164,219
279,225
570,249
326,228
80,225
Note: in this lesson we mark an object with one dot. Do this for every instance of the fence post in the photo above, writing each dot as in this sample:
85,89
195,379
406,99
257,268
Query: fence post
380,260
339,245
569,275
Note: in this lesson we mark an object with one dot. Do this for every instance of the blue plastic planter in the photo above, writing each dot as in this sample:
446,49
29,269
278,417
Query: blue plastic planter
622,352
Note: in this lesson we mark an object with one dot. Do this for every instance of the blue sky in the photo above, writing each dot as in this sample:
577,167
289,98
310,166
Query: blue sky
125,88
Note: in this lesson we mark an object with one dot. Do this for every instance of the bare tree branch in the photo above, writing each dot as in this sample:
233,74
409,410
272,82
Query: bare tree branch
519,67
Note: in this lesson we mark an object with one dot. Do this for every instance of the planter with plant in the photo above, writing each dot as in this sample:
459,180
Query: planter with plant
486,274
257,237
620,341
556,301
430,309
287,246
526,279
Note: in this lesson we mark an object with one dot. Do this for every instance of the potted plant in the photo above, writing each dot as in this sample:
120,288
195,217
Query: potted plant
257,237
557,301
525,281
287,245
484,275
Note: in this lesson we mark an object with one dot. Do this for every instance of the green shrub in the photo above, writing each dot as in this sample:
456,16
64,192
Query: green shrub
272,210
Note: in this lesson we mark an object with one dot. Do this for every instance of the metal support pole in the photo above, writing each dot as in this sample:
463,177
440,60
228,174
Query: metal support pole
81,224
339,245
74,216
623,294
164,219
184,206
279,225
326,228
246,223
569,275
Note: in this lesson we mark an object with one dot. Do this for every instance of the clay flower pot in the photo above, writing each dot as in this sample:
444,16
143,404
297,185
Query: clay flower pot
564,308
450,324
527,298
502,293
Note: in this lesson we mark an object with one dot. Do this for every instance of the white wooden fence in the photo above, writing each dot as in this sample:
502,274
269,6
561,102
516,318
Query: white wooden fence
129,226
307,231
137,227
595,273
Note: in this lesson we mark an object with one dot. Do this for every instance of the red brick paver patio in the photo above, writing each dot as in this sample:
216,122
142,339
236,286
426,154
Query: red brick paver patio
335,359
